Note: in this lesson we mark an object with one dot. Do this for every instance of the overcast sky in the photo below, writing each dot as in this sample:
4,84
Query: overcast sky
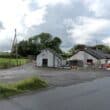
74,21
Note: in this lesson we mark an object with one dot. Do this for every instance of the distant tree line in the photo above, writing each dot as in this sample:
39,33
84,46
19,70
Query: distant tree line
36,43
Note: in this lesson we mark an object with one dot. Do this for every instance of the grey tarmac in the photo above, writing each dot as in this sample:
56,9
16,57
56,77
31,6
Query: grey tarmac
94,95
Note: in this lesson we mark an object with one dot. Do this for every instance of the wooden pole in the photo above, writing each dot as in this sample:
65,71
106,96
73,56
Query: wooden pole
16,47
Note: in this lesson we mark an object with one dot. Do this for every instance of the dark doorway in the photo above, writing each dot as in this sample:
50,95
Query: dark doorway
89,61
45,62
76,63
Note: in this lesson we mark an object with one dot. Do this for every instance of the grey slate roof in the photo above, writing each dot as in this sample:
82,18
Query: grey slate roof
97,53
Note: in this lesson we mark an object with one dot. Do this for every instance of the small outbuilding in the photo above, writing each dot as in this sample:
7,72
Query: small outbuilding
49,58
89,56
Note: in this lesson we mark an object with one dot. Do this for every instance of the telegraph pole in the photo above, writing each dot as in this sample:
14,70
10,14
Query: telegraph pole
96,45
15,46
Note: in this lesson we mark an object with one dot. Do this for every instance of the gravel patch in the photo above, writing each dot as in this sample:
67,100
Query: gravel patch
54,77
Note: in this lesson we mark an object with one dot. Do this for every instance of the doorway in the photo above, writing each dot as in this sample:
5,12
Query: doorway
45,62
89,61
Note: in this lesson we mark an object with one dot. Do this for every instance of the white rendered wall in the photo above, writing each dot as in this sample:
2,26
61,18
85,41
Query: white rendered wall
58,62
82,55
45,54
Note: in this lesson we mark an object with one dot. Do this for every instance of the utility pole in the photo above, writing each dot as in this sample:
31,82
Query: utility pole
96,45
15,46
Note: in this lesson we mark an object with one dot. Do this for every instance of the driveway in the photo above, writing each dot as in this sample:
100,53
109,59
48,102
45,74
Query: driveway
94,95
54,77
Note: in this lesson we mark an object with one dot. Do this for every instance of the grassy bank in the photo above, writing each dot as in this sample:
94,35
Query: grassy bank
33,83
11,62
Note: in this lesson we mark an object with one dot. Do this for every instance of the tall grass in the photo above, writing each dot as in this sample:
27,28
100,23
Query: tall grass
11,62
33,83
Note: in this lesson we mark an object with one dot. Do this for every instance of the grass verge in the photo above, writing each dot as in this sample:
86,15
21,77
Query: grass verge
11,62
32,83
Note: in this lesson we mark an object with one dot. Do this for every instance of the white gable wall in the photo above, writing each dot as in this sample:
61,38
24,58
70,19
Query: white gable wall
103,61
45,54
53,60
82,55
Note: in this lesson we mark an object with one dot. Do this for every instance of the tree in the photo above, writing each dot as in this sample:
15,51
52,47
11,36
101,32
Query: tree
55,44
79,47
35,44
66,55
46,40
102,47
76,48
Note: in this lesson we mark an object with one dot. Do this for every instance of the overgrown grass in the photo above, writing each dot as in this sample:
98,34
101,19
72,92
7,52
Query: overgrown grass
33,83
11,62
30,84
8,90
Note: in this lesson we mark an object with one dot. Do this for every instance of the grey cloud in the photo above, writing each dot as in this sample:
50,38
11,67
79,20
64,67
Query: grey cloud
6,45
105,9
33,5
55,21
1,26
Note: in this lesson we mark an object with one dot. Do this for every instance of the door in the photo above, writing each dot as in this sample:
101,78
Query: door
45,62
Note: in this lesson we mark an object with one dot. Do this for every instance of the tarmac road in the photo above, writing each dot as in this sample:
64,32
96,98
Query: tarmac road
94,95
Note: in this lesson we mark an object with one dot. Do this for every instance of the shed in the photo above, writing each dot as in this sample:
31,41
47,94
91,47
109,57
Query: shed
49,58
90,56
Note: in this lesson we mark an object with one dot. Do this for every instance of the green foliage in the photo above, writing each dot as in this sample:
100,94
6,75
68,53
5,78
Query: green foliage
11,62
79,46
33,83
66,55
102,47
55,44
35,44
4,55
30,84
7,90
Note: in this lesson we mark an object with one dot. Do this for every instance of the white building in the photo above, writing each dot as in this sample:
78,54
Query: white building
49,58
89,56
